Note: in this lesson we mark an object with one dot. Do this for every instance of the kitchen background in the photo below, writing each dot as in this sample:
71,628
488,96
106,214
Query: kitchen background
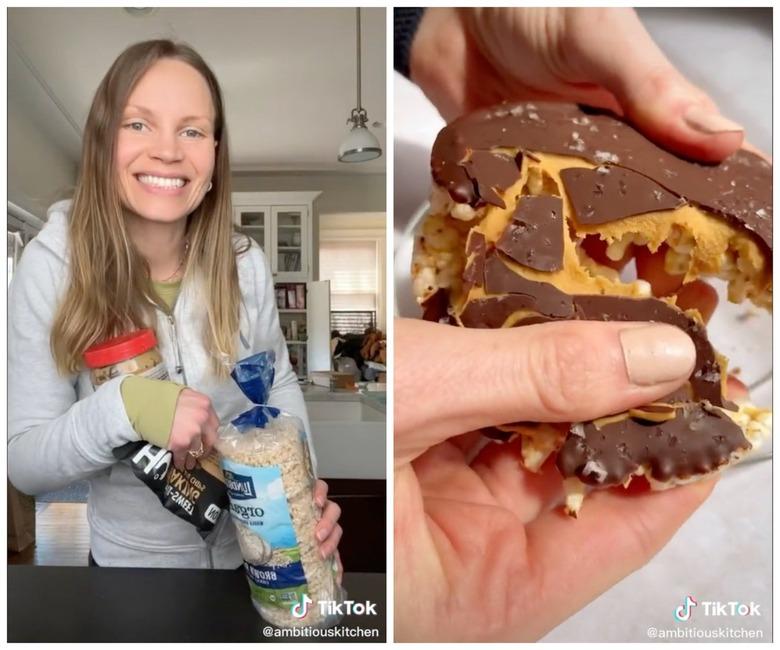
289,79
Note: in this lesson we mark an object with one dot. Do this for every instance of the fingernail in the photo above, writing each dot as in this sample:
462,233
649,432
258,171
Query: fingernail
320,534
657,353
709,122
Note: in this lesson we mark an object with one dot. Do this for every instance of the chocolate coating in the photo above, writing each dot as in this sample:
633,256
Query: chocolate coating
608,193
474,273
534,236
697,441
492,174
739,189
550,302
436,307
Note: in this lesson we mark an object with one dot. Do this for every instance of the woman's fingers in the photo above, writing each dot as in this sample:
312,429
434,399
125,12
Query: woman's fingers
596,249
575,560
692,295
210,432
653,94
330,516
526,494
736,390
320,493
451,380
698,295
328,531
650,267
330,545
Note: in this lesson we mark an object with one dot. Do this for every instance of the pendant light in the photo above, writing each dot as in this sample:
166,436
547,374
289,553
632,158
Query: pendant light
360,144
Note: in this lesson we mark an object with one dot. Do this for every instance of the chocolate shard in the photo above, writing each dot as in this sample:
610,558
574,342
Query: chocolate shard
534,236
492,173
609,193
493,312
697,441
496,434
545,298
739,189
436,307
549,301
706,379
476,246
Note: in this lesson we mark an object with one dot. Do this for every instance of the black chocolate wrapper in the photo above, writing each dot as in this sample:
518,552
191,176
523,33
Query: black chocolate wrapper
178,492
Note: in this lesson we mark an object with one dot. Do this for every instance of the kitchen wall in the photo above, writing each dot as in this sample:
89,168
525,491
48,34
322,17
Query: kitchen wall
341,192
39,172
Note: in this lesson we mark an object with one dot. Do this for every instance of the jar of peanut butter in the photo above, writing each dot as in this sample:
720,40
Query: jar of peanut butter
130,354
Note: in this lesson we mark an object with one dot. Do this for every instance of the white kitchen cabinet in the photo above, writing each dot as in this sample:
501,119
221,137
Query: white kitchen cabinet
254,221
282,223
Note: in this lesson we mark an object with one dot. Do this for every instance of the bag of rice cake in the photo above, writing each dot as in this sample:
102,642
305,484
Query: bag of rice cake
268,472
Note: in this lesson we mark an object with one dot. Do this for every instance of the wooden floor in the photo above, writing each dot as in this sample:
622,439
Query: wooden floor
61,536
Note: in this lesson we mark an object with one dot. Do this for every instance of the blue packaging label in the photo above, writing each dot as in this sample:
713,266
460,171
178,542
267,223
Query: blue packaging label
258,505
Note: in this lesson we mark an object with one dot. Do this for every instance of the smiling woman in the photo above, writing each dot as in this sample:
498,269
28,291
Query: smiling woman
147,243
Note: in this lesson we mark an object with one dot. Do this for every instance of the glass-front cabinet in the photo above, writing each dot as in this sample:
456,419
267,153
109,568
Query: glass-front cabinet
254,222
281,222
289,241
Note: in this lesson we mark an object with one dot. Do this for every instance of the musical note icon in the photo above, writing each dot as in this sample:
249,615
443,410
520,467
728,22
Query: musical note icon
683,612
301,608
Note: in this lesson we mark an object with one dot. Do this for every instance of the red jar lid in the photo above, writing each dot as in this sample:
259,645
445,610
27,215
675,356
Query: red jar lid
120,348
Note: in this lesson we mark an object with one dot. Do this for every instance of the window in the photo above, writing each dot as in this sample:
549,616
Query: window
352,268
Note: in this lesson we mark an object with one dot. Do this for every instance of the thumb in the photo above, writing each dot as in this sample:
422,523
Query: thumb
450,380
621,56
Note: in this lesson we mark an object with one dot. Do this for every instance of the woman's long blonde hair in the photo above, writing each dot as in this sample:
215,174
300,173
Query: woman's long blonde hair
110,288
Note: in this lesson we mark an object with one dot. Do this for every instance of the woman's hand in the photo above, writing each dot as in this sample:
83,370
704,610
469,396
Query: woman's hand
328,530
467,58
482,553
194,424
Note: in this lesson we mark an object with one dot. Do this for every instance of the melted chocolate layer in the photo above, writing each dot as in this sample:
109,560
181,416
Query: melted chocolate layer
548,301
492,174
474,273
697,441
608,193
738,189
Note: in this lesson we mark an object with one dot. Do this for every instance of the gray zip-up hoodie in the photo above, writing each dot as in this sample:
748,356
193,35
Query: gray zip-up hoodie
61,430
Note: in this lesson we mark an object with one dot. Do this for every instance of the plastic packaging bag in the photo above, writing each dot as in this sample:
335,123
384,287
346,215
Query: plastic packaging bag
268,472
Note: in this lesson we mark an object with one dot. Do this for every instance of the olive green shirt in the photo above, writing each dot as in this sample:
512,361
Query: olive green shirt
151,403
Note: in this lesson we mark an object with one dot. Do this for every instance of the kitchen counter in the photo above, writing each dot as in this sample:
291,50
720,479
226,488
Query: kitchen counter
101,604
374,399
349,432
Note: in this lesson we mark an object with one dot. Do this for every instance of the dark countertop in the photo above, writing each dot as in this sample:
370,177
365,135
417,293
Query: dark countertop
47,603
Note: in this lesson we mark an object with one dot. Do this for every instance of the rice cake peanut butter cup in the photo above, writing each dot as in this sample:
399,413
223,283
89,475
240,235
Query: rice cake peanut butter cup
518,189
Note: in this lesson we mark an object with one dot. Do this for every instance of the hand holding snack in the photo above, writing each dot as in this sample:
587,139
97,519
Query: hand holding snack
328,531
535,210
492,556
194,429
470,58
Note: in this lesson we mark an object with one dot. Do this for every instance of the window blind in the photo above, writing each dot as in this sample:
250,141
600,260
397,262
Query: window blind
351,267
